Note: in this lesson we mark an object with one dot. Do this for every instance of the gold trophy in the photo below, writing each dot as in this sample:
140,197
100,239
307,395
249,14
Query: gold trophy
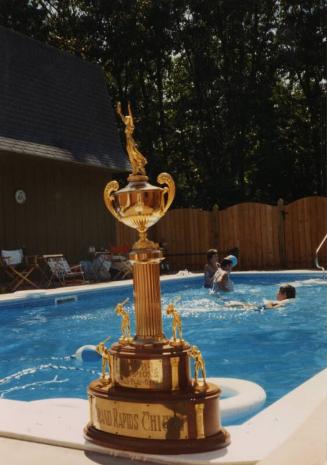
149,402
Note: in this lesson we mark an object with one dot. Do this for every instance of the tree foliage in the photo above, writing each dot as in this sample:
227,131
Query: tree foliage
229,96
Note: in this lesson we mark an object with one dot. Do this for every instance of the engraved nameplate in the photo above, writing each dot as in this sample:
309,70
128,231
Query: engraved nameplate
141,374
139,420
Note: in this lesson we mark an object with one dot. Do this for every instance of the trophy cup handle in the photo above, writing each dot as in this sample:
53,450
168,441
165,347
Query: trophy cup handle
165,178
111,187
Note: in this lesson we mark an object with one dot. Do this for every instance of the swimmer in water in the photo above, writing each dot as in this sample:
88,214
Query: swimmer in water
284,295
210,267
221,279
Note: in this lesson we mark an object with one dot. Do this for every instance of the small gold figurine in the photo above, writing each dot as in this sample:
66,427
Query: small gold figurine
125,323
106,361
199,365
138,161
177,323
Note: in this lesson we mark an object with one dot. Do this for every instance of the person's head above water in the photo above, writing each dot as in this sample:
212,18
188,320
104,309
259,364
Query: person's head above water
226,264
286,292
212,255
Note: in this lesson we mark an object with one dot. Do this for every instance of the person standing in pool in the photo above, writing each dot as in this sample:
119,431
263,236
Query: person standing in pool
221,279
210,268
284,295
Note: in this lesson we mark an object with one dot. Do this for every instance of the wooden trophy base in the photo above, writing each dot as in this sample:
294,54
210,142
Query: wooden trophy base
158,446
175,422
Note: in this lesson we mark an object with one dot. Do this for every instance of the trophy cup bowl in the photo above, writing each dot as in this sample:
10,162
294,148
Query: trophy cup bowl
140,205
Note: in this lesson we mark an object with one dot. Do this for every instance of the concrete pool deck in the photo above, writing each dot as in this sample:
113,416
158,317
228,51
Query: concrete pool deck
292,431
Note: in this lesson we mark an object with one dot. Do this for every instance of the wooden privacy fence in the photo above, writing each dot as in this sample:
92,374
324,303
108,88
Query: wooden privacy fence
268,236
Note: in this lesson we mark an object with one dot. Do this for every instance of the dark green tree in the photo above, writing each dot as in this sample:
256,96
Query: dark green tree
228,96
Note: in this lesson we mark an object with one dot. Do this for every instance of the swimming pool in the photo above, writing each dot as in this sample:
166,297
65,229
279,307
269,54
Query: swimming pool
278,349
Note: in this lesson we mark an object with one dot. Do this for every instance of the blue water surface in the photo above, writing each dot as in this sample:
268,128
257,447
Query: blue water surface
279,348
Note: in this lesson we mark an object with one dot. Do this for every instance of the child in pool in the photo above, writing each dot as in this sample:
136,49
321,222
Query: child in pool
284,295
221,279
210,267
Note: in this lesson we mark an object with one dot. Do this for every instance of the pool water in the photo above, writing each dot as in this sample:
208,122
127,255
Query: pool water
278,349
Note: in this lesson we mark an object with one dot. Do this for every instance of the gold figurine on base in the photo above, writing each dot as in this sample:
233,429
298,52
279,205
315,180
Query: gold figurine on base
150,403
106,361
125,322
199,365
176,323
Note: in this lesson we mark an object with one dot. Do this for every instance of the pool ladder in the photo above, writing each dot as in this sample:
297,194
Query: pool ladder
316,258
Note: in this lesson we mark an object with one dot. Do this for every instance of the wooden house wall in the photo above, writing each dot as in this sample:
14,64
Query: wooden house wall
64,211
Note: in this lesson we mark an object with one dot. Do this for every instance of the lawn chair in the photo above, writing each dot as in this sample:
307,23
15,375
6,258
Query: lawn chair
101,266
18,268
122,267
61,272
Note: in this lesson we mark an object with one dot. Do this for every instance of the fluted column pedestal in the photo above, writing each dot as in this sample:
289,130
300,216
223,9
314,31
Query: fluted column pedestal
147,301
148,321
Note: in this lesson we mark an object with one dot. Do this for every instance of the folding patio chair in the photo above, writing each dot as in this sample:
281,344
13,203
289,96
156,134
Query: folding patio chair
101,265
122,266
62,272
18,268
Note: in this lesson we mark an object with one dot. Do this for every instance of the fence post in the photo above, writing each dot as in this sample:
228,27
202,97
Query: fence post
214,230
281,233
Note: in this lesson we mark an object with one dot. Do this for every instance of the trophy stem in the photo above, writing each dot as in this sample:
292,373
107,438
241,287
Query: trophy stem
148,319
